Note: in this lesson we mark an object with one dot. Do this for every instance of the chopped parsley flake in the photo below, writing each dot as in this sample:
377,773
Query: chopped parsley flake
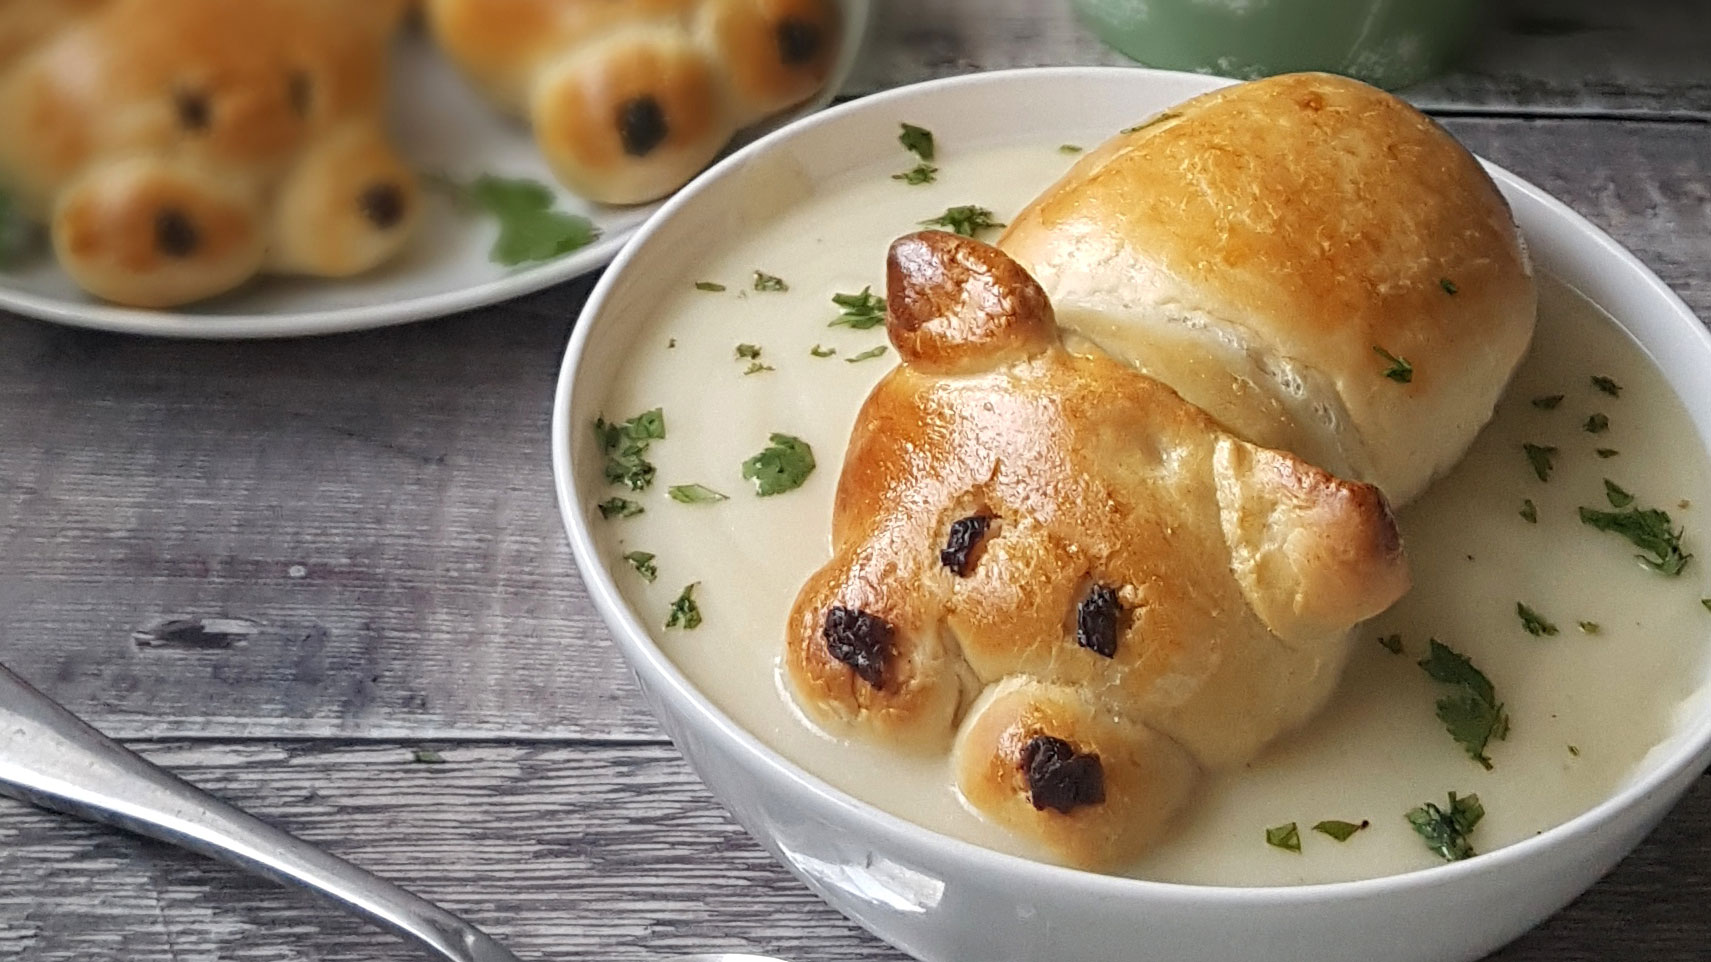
866,355
1572,750
685,613
427,756
1540,457
1068,148
1547,402
1159,117
1607,452
922,173
819,351
1286,837
748,352
1399,370
1391,643
781,466
1597,424
616,507
1533,622
624,444
529,228
1607,385
1446,831
1529,513
643,563
917,140
1340,830
1706,602
1471,714
1589,628
767,282
694,494
1648,529
1448,285
860,311
756,367
713,286
967,220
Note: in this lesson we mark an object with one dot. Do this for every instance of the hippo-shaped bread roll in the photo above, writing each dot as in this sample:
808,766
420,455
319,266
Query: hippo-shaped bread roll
1075,581
628,100
177,148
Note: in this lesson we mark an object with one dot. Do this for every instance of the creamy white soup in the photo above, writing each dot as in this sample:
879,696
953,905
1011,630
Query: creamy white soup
1586,702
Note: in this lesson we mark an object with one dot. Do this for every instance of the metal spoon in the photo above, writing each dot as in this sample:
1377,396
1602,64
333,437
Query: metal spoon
51,758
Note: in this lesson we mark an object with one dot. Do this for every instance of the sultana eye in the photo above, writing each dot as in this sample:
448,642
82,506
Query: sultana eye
193,110
300,91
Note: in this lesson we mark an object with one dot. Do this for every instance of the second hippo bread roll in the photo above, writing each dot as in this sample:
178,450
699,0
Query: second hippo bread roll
630,100
1307,258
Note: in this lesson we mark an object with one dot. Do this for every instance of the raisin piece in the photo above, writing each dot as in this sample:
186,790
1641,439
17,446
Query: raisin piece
859,640
965,536
641,126
174,235
382,204
299,90
1096,621
798,41
1059,777
192,108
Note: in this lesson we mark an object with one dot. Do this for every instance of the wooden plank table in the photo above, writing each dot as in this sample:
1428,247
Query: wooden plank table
376,511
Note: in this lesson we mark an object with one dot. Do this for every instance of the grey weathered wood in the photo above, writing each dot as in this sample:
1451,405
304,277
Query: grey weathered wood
571,852
1535,56
381,503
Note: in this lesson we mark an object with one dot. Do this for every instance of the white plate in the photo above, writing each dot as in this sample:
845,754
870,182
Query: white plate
442,126
945,900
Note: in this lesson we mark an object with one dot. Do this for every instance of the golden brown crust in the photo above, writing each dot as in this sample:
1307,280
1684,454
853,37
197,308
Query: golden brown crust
1105,560
577,68
1284,229
243,94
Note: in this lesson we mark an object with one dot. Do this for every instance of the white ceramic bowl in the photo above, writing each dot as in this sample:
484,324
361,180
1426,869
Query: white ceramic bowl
945,900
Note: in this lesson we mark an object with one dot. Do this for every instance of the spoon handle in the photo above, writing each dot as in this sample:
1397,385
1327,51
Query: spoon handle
51,758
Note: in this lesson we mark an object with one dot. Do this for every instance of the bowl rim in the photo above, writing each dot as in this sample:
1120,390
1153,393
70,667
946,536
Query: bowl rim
659,674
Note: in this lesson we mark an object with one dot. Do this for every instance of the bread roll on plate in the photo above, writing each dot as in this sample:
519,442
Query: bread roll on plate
1139,594
1309,259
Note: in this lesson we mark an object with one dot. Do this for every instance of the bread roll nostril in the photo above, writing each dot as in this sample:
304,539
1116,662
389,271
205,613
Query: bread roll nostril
382,204
799,41
641,125
174,234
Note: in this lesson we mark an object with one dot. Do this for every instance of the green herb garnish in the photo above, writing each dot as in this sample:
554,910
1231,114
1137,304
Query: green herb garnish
17,235
714,286
1472,714
756,367
624,444
1648,529
1596,424
1706,602
1533,622
530,229
643,563
767,282
616,507
1618,498
1159,117
1068,148
427,756
1572,750
917,140
1446,832
1286,837
1340,830
685,613
866,355
1540,457
967,220
1607,385
1589,628
1391,643
860,311
1399,370
1529,513
694,494
748,352
1607,452
1547,402
781,466
819,351
922,173
1448,285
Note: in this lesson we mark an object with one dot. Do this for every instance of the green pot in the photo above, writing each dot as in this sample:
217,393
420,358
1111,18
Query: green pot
1388,43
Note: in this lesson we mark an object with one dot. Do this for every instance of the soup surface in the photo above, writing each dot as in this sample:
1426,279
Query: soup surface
1587,700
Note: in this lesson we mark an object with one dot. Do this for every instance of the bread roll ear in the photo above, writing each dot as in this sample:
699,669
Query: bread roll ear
1268,248
955,307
